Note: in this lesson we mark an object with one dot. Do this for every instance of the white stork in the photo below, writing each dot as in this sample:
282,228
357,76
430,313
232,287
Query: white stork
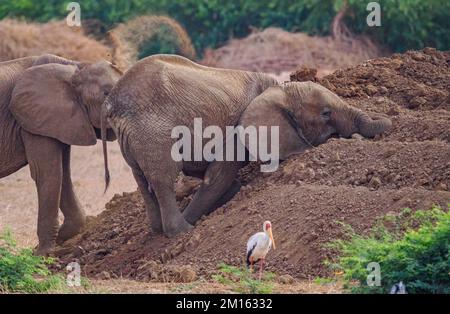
259,245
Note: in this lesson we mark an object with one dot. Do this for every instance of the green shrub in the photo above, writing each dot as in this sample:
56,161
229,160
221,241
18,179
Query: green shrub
21,271
413,248
405,24
242,279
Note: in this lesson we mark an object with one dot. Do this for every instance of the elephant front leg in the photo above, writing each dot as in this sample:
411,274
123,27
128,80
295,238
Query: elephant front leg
218,181
74,215
45,159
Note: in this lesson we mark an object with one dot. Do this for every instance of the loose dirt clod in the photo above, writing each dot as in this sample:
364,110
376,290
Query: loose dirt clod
354,181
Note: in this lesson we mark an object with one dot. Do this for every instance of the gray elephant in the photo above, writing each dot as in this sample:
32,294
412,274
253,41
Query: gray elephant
162,92
48,103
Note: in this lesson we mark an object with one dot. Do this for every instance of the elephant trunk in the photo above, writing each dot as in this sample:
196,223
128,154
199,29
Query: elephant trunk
369,127
350,120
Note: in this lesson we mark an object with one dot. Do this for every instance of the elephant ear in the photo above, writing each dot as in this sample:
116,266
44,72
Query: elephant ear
45,103
270,109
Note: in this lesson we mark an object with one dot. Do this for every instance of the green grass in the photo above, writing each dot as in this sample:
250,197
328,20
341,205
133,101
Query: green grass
323,281
23,272
242,280
413,247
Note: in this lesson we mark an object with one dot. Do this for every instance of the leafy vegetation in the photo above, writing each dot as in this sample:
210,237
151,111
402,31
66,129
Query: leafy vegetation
412,247
406,24
21,271
242,280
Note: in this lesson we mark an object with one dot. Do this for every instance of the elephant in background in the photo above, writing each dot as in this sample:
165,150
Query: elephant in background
164,91
47,104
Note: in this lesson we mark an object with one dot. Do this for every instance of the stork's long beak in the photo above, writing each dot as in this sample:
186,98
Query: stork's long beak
271,238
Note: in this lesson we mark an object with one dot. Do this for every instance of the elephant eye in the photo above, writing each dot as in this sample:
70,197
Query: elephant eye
106,92
326,114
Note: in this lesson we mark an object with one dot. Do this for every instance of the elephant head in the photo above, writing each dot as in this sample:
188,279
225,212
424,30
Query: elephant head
63,101
308,114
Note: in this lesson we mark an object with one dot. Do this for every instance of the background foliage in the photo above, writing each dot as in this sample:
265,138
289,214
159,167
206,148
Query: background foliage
406,24
413,248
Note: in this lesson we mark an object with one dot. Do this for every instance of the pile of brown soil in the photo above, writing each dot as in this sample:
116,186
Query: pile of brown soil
415,79
21,39
353,180
274,50
90,43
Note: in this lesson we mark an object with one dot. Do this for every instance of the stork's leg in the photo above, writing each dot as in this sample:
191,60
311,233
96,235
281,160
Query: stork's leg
261,265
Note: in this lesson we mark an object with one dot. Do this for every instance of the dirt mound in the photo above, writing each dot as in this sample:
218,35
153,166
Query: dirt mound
376,165
22,39
414,80
274,50
127,38
350,180
90,43
304,217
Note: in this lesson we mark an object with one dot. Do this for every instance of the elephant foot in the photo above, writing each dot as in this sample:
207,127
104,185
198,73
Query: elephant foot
44,249
69,229
181,227
156,228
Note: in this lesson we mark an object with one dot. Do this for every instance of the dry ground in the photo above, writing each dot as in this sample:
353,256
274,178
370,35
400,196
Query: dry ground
18,197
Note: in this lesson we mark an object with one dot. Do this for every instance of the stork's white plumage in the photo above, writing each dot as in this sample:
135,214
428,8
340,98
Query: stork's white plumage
259,245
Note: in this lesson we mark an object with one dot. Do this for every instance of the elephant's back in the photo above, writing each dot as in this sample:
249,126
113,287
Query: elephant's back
175,87
12,154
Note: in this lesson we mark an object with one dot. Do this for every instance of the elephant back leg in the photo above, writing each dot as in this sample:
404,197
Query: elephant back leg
160,172
151,203
12,151
45,159
9,167
74,215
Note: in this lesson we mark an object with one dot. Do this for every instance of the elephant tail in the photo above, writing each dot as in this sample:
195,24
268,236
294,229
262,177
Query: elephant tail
105,146
127,38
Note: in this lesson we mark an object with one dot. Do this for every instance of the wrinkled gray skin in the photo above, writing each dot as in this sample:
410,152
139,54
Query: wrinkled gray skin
164,91
48,103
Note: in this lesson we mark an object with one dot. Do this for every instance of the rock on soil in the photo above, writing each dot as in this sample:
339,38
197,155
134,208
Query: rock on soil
353,180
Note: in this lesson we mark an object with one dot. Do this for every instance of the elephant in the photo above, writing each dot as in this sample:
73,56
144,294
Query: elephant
162,92
47,104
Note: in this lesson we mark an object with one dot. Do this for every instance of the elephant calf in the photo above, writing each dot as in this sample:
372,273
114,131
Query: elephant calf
48,103
162,92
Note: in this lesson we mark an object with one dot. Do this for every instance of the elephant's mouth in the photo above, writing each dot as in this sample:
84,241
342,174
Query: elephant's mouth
335,135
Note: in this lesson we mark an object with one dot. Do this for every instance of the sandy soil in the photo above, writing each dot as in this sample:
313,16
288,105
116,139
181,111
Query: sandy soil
18,197
125,286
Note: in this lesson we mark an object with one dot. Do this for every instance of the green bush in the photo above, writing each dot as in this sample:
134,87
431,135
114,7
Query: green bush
21,271
413,248
406,24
